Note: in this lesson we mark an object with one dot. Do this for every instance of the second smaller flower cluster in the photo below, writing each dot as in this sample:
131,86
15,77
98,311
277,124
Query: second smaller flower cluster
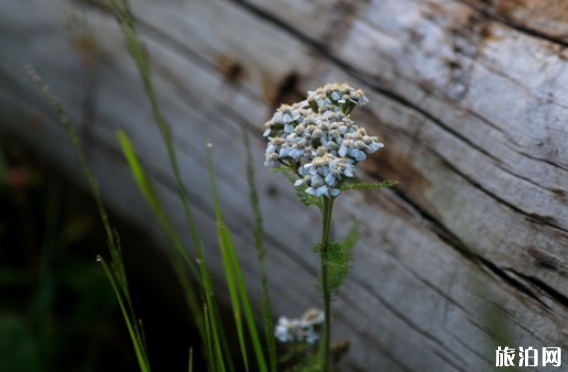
299,330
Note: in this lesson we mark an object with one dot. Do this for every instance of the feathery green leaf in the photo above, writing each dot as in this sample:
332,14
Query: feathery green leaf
338,259
357,185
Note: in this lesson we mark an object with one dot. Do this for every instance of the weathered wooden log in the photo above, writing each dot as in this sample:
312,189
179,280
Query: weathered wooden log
469,97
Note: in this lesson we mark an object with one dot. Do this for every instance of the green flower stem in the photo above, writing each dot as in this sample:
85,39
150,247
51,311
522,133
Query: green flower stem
325,345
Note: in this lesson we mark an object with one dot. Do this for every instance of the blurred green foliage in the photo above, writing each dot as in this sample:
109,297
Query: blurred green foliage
56,310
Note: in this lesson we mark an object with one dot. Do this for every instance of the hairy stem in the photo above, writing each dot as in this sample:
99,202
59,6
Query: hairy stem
326,226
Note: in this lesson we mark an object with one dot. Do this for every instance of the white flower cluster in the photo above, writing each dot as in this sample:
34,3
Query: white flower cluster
332,97
299,330
318,140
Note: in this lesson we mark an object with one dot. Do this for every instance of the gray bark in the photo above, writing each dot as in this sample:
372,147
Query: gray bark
469,97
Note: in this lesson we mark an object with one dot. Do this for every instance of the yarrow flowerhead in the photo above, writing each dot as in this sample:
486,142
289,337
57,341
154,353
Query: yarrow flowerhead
334,96
317,139
299,330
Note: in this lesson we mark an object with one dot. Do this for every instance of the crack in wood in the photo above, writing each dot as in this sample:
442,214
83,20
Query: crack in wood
453,241
488,12
530,216
513,280
553,293
484,264
428,336
470,316
543,160
386,352
482,357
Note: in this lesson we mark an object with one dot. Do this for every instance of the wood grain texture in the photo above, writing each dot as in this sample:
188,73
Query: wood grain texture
469,97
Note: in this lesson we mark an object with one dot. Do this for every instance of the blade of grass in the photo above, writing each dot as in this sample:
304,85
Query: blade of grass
265,303
140,57
152,198
123,285
118,275
155,204
223,338
218,335
237,279
217,348
131,325
190,363
211,362
233,292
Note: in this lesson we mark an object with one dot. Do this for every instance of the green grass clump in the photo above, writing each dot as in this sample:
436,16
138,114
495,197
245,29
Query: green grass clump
199,292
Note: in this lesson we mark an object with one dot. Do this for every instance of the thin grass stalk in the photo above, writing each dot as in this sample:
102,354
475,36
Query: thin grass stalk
233,293
247,309
139,347
75,141
152,199
123,286
217,331
190,362
140,56
210,359
225,245
265,304
155,204
228,249
218,351
117,276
